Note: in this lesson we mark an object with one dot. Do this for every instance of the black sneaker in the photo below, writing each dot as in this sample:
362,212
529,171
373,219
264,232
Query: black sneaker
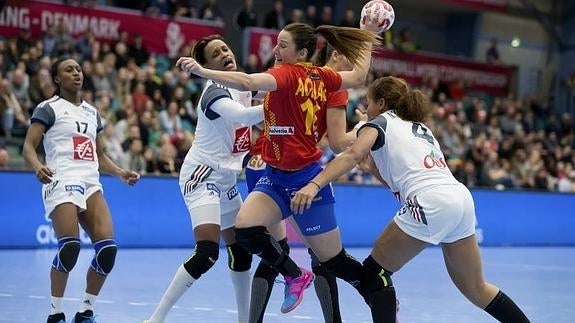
85,317
56,318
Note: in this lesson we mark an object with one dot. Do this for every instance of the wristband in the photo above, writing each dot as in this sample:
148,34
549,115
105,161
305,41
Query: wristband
316,184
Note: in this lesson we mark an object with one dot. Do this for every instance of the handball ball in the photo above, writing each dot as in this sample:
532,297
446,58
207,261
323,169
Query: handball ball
377,15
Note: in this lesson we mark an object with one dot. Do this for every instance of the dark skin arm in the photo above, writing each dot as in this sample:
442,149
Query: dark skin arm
33,138
108,166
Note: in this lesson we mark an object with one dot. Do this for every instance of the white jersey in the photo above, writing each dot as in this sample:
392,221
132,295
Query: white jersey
70,138
408,156
220,142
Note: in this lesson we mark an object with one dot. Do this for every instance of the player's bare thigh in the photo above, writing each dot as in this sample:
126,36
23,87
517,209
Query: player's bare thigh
258,210
394,248
97,220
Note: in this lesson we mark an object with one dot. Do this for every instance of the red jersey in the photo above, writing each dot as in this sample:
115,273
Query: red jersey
257,147
334,100
292,126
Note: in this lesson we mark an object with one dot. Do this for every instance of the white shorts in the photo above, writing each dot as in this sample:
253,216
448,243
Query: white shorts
444,214
72,191
201,185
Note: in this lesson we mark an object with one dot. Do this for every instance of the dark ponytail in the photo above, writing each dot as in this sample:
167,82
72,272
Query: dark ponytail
413,106
408,104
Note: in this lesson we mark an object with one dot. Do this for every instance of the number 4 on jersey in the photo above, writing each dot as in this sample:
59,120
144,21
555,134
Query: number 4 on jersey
420,131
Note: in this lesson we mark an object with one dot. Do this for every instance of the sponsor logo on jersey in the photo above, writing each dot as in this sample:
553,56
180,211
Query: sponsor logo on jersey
213,189
434,160
74,188
83,148
233,192
242,140
281,131
89,111
264,180
312,229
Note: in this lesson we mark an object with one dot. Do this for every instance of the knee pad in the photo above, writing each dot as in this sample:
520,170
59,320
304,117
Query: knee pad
346,267
68,250
205,256
258,241
105,256
239,259
374,276
253,239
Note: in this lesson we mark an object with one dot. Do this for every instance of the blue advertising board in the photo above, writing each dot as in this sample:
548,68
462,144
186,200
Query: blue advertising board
152,214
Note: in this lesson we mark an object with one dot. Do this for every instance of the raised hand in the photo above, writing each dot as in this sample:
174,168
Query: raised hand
189,65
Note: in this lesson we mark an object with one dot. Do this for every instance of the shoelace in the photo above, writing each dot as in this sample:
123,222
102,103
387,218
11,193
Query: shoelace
297,284
286,289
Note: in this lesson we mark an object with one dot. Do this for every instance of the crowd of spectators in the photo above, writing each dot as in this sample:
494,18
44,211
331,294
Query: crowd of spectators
149,106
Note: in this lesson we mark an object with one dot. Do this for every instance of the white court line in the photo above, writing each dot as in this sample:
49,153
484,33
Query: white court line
5,295
36,297
137,304
105,301
206,309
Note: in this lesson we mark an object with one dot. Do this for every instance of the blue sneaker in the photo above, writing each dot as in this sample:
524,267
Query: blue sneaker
294,289
57,318
85,317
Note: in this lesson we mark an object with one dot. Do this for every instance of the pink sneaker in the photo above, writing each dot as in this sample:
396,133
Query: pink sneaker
294,289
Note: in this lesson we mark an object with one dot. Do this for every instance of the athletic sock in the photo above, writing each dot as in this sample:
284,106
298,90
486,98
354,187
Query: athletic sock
505,310
179,285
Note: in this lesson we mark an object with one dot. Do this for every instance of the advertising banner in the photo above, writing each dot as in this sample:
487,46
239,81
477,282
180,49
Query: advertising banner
152,214
259,42
491,79
497,5
160,35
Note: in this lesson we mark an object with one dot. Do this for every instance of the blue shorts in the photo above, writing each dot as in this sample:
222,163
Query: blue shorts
281,185
255,168
252,178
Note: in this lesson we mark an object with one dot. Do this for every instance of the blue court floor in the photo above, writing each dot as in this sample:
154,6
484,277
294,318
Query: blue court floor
541,280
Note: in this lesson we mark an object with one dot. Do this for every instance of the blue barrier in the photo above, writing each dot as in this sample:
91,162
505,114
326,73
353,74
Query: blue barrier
153,214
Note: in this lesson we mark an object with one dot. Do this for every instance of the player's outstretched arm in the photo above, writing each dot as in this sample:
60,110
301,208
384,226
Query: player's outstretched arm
236,80
342,164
